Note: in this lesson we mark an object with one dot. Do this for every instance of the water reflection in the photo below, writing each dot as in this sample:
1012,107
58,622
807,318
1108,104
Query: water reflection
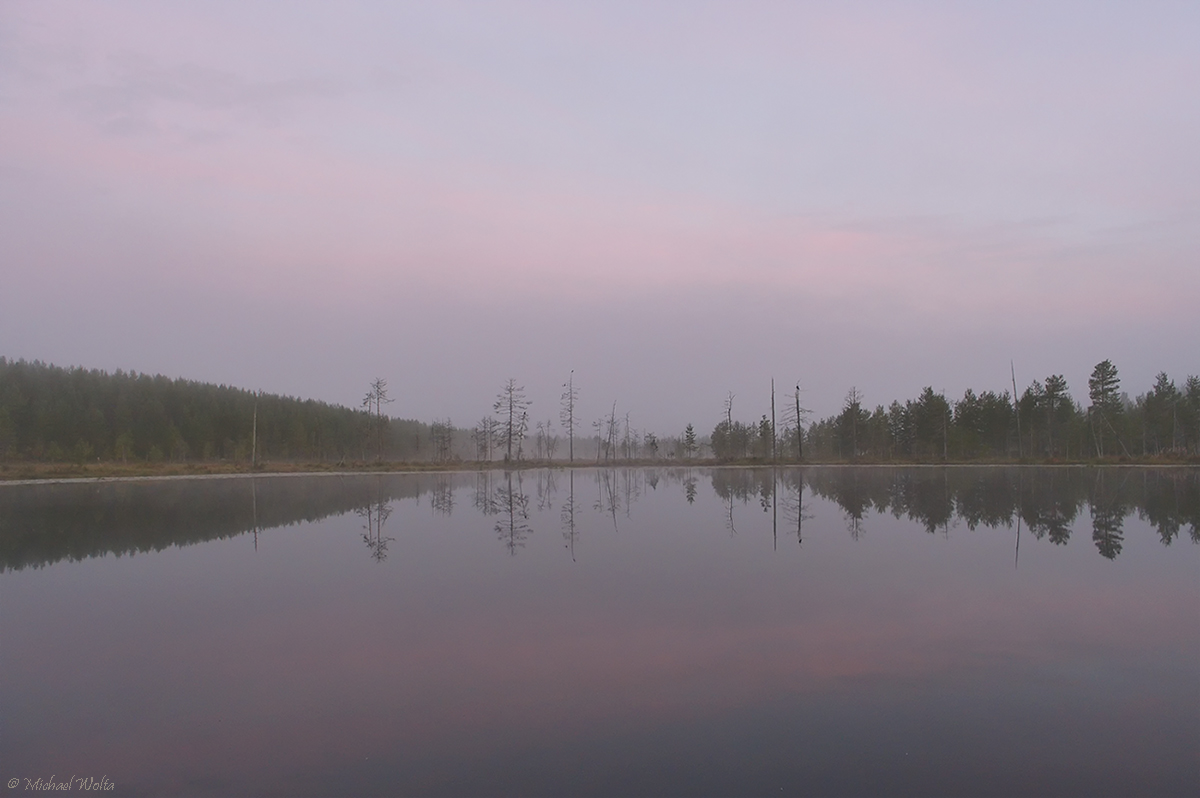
628,644
607,501
570,533
45,523
375,514
512,506
441,497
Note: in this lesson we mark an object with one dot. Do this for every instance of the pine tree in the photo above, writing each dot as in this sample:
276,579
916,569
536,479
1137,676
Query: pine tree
689,441
511,406
1106,402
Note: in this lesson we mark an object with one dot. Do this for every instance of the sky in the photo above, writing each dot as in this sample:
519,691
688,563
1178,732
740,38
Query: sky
676,201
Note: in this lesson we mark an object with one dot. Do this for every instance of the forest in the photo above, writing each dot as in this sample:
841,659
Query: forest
1045,424
76,415
53,414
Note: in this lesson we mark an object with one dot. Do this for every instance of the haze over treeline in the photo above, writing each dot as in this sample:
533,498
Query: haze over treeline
55,414
678,199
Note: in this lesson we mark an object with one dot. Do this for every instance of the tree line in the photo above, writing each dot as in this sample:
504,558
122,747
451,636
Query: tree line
49,413
1045,423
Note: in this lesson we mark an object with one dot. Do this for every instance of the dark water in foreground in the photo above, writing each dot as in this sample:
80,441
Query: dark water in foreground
962,631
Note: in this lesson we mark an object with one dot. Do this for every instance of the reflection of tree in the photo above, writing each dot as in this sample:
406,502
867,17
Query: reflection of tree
856,490
1167,527
929,500
513,525
1108,516
794,509
1053,523
854,504
774,506
984,497
1106,530
854,525
376,515
629,479
568,516
1169,503
1052,520
441,497
254,508
46,523
1050,501
485,499
742,484
607,501
547,486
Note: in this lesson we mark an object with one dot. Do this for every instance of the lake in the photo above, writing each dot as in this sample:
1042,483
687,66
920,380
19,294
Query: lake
670,631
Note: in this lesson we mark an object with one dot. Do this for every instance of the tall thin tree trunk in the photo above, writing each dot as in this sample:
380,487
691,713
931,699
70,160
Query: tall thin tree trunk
799,427
254,435
1016,405
774,454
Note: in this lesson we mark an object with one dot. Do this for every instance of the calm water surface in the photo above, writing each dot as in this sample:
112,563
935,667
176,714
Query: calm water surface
969,631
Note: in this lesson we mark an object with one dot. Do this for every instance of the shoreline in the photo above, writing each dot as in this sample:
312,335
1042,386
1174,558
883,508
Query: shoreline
59,473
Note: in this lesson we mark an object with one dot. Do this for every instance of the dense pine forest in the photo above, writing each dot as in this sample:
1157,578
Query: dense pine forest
1046,423
76,415
49,413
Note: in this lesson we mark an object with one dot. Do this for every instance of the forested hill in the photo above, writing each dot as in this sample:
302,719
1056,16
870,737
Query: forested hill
80,415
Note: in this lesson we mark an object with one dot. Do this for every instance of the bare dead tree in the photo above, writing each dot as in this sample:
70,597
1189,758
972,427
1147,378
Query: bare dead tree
484,436
510,407
794,419
598,428
522,428
373,402
610,438
539,442
567,415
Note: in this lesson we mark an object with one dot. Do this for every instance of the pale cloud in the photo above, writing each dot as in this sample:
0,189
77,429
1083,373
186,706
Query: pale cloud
145,97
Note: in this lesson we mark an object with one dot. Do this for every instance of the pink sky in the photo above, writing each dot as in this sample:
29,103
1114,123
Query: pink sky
676,202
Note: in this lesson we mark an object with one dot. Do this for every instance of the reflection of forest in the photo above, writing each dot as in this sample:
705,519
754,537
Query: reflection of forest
1046,500
42,524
